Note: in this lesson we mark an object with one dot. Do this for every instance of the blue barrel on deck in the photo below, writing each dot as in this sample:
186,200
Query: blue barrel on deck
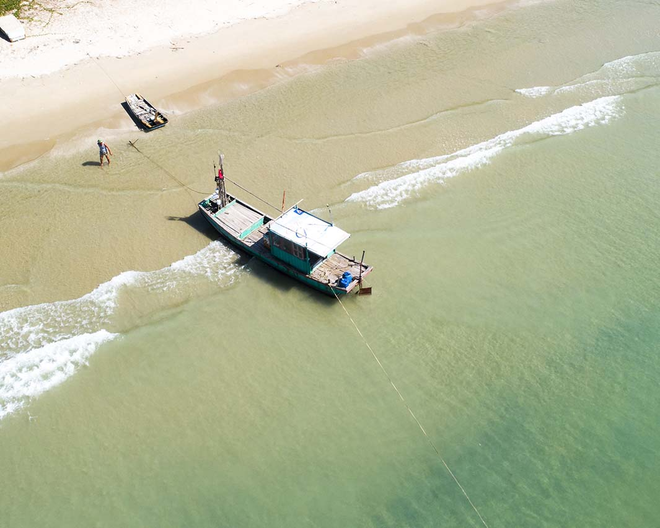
346,279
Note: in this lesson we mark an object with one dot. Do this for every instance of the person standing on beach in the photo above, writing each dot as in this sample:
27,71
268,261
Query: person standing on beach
104,150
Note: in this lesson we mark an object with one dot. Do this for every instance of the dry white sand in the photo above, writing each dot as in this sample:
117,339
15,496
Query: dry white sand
74,30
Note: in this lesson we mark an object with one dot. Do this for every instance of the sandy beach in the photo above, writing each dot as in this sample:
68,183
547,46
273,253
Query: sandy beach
79,60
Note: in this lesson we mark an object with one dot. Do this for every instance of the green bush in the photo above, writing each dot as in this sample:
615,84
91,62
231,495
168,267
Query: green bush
9,7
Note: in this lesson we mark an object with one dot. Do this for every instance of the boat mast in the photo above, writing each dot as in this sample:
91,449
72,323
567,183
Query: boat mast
220,180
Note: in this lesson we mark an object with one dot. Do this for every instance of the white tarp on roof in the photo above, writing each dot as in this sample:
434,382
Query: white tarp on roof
10,26
320,237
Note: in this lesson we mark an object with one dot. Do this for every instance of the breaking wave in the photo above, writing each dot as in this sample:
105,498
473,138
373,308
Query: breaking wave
31,373
619,76
404,180
43,345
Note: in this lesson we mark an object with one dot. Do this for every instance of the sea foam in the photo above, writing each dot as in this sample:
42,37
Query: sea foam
536,91
42,345
612,78
31,373
408,178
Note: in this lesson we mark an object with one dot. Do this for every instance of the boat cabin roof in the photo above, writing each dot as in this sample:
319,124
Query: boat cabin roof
306,230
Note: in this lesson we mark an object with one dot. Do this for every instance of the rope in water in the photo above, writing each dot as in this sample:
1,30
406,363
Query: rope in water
132,144
428,438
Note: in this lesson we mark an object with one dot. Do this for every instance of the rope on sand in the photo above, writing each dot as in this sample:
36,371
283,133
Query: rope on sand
428,438
107,75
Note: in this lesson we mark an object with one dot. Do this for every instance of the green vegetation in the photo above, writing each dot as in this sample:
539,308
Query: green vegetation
28,9
10,7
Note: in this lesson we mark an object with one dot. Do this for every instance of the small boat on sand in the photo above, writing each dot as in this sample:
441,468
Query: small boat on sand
295,242
144,113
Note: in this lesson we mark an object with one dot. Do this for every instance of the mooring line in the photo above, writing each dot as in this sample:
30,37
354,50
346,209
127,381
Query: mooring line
132,144
251,193
428,438
107,75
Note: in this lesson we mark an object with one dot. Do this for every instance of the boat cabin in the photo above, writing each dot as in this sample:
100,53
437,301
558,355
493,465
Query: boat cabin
303,240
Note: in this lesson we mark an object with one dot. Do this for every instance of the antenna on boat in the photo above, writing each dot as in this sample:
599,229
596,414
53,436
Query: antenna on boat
330,211
283,199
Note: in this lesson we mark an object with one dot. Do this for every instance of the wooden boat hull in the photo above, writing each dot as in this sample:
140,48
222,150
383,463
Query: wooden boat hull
322,287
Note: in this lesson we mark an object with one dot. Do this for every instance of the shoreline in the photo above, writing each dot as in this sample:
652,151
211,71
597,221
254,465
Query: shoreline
209,69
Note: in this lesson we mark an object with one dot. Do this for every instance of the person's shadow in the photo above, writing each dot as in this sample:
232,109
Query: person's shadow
91,164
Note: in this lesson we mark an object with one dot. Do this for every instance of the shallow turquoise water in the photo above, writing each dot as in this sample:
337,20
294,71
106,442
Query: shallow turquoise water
515,307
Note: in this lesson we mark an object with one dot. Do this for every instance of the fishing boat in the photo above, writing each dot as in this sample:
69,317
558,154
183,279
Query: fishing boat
144,113
295,242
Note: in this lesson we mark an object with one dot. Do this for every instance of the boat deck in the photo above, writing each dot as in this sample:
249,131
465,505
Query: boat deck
236,218
332,268
255,240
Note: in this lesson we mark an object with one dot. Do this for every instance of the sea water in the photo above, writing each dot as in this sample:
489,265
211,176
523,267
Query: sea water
502,177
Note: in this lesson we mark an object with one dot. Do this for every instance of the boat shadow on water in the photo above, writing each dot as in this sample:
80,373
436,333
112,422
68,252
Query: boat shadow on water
278,280
198,224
